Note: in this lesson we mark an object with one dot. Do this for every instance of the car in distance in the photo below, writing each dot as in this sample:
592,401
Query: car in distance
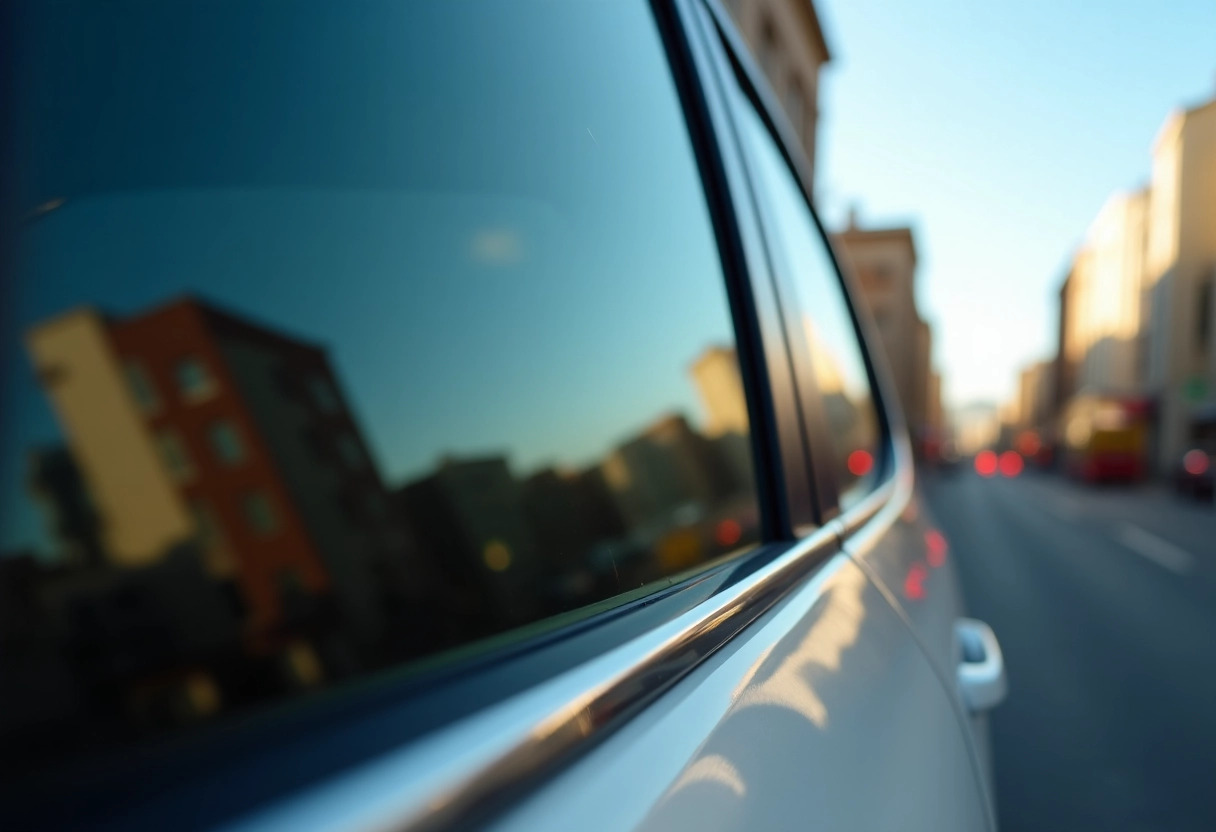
444,414
1194,475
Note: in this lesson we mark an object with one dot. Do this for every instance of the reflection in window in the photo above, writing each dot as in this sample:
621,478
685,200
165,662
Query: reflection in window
226,443
834,343
477,326
141,386
349,450
217,556
259,514
324,395
193,381
174,455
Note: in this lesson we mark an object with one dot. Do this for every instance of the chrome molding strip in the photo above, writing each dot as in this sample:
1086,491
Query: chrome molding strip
449,777
885,503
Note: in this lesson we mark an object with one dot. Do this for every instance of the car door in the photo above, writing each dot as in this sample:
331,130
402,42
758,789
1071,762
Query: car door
831,711
865,483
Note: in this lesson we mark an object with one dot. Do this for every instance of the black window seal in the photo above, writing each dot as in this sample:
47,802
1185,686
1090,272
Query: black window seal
802,503
778,470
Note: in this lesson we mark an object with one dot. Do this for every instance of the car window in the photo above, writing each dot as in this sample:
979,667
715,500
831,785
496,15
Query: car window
821,305
345,340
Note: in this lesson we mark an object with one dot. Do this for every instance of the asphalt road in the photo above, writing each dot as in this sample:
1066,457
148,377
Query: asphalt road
1104,601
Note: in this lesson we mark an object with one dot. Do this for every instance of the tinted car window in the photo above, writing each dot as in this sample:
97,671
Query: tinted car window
822,308
345,337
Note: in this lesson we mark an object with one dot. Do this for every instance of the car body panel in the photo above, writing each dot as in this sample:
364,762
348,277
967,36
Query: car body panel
823,714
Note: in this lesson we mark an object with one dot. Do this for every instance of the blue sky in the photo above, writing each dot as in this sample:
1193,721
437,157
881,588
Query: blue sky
471,252
997,131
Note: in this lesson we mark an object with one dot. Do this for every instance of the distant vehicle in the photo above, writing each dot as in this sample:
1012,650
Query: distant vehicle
1104,439
529,463
1195,473
1035,450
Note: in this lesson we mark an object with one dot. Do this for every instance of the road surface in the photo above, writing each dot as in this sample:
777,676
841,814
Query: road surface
1104,600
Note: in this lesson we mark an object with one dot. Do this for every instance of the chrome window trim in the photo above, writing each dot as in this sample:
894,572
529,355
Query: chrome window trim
475,765
878,510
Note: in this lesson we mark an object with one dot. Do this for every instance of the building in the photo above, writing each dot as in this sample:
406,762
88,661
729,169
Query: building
56,484
666,472
1064,375
884,263
473,512
191,425
936,414
922,381
1036,387
719,384
1180,272
787,40
1106,285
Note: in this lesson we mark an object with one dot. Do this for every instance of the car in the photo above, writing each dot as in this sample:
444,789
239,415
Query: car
429,415
1193,476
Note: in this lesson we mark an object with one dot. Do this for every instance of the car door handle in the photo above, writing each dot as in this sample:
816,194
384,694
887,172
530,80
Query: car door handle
981,667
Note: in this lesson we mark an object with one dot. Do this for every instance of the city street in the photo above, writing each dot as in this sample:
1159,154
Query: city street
1104,600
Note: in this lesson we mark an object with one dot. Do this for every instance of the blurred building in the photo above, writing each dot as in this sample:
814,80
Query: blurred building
1036,399
569,512
884,263
1180,274
787,40
1105,287
668,473
191,425
1068,350
720,387
719,384
472,513
936,416
1136,309
73,524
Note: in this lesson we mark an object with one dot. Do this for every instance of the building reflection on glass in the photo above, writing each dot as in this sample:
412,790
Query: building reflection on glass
223,535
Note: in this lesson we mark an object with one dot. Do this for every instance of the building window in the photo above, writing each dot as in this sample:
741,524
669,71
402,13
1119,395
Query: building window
259,513
226,443
141,386
324,395
173,454
193,381
216,556
351,452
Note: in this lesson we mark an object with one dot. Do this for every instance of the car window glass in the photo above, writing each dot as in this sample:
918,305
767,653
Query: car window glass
344,340
822,309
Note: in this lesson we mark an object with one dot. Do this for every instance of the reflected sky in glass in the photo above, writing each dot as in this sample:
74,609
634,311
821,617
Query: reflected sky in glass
497,257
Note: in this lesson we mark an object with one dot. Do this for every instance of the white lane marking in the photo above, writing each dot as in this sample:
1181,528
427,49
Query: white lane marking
1159,551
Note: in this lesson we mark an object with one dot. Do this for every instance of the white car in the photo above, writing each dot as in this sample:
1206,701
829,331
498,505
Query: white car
445,414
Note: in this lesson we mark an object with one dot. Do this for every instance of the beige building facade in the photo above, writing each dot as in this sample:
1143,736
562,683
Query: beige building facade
1036,385
1179,279
787,41
1138,306
1107,286
884,262
720,387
